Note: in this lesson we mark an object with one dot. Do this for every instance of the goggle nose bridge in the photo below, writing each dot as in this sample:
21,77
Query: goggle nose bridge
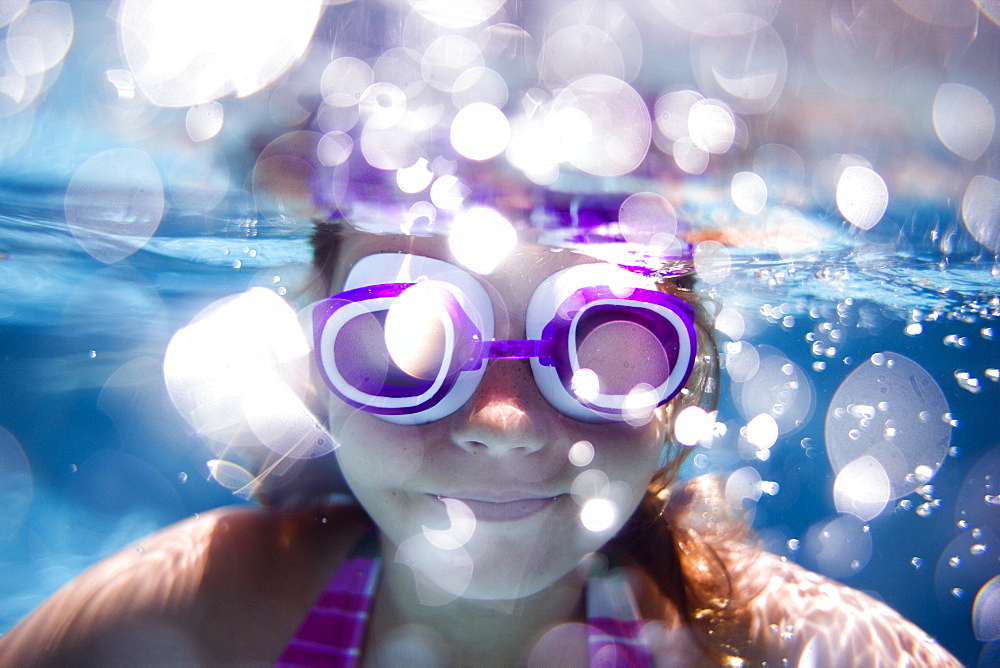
511,349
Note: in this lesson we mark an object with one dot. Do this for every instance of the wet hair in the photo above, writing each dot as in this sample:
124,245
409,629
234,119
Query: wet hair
679,532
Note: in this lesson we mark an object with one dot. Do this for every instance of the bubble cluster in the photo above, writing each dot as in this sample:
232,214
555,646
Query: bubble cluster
888,414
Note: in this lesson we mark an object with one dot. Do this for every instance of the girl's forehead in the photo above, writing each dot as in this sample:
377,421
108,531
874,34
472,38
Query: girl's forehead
527,264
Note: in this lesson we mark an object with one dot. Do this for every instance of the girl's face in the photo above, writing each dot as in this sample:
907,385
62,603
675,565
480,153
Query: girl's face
503,497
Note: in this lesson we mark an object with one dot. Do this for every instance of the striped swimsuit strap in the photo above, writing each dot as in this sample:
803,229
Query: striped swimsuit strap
334,631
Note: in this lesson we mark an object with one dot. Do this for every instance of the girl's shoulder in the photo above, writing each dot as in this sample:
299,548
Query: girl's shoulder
788,612
762,608
230,584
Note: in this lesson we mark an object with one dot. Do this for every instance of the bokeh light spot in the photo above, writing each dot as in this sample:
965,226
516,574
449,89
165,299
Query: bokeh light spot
862,488
856,427
480,131
39,38
963,119
204,121
581,453
749,192
344,80
862,196
986,612
981,211
114,203
184,53
597,515
481,238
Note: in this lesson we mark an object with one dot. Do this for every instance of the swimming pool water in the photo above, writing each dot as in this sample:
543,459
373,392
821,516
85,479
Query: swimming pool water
859,324
95,456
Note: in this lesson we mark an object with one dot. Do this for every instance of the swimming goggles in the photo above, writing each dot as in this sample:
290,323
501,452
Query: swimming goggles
410,336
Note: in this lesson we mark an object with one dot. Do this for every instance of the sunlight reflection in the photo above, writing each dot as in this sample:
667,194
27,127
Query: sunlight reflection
481,238
188,53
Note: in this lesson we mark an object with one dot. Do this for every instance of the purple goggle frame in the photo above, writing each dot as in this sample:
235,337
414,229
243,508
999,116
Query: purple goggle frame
596,354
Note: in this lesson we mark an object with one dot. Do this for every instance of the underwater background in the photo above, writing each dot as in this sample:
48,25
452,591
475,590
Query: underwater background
836,165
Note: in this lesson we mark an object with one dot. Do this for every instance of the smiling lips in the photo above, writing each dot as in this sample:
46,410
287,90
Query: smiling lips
506,511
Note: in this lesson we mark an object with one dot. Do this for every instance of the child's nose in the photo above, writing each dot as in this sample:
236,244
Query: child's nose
504,415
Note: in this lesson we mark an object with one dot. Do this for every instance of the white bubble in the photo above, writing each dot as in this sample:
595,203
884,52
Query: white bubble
238,374
481,238
693,425
414,178
585,384
711,126
392,148
744,63
590,484
986,611
909,394
862,488
639,405
619,125
334,148
456,15
840,547
114,203
204,121
762,431
581,453
420,218
10,10
344,80
447,58
480,131
730,322
689,157
39,38
862,196
199,180
448,193
441,575
749,192
697,17
741,361
963,120
941,12
187,53
598,515
382,105
712,261
778,388
743,484
981,211
461,526
645,216
480,84
16,485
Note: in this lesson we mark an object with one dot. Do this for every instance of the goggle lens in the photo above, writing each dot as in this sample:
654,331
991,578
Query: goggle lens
412,353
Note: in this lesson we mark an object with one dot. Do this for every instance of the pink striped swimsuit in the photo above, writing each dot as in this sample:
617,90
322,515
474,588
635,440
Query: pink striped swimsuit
334,631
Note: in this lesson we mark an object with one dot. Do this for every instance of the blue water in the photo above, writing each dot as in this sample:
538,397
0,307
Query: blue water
94,455
100,457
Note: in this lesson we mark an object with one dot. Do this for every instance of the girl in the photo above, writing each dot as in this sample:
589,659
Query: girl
505,428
